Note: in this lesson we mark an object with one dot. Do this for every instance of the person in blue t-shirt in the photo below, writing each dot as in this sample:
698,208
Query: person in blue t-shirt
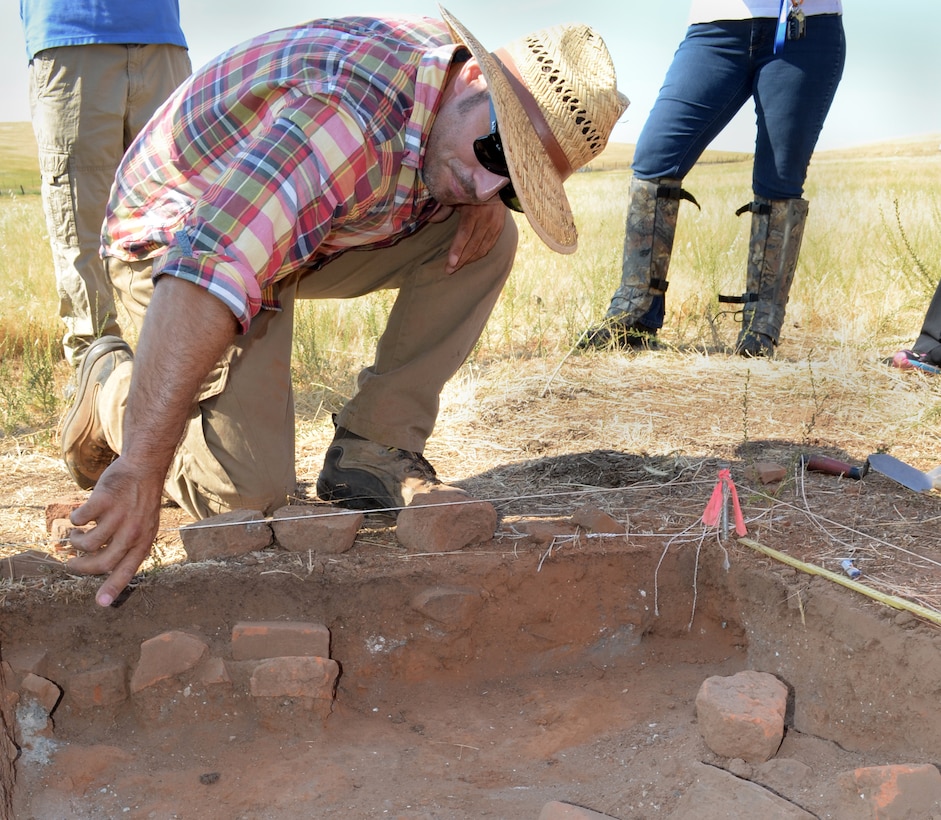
97,72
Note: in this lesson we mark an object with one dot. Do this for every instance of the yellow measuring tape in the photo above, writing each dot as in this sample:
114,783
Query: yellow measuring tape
812,569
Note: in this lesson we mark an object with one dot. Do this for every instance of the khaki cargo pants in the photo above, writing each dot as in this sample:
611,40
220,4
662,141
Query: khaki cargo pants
238,448
87,103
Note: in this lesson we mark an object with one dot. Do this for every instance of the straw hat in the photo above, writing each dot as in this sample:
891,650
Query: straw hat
556,100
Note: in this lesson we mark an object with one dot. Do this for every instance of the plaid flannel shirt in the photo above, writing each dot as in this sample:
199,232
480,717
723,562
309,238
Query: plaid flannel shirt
281,153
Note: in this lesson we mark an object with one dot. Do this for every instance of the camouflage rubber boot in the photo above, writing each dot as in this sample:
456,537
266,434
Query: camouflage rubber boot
777,229
636,311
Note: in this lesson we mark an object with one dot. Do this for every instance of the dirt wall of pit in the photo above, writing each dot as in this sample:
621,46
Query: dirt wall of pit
7,751
859,673
864,674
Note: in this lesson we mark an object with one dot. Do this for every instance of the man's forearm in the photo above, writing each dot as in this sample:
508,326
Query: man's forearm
185,333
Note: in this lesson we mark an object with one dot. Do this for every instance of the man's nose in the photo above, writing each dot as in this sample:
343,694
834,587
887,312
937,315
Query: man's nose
488,184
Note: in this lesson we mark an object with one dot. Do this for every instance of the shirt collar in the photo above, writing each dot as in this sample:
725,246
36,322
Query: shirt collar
429,86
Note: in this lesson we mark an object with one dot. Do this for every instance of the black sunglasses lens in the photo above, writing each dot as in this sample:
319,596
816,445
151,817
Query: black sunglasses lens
510,199
489,153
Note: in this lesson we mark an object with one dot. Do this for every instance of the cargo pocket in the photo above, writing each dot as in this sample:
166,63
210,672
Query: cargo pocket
57,197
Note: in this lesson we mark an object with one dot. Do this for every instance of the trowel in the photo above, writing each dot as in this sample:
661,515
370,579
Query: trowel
905,474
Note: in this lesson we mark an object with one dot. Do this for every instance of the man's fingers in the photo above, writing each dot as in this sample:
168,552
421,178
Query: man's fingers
90,540
121,568
121,576
477,233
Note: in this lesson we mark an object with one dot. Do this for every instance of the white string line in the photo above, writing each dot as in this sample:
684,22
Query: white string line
815,518
209,524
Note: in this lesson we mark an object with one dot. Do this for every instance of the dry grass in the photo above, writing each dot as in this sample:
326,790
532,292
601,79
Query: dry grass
540,431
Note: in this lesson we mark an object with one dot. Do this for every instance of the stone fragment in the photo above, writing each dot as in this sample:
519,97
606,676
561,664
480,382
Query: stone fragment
742,715
451,606
102,685
767,472
303,679
445,520
43,690
228,534
717,795
166,656
61,508
897,792
212,672
24,659
785,775
259,640
30,564
556,810
60,532
596,520
543,531
291,692
317,528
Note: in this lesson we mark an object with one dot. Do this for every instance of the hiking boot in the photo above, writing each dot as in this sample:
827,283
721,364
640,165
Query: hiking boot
85,449
613,335
363,475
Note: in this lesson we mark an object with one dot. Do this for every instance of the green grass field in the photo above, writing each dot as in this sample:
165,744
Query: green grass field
870,262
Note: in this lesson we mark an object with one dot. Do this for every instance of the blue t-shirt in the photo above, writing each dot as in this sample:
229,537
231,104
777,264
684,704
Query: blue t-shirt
53,23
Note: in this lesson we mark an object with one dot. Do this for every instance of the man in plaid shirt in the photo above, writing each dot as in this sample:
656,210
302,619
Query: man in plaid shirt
326,160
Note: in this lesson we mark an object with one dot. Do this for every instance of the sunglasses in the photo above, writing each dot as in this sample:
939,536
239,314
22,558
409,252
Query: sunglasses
489,152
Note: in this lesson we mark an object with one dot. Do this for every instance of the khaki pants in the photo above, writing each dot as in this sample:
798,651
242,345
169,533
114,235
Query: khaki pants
87,104
238,448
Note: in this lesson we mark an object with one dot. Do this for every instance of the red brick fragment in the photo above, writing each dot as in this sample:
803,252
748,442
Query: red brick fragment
103,685
445,520
320,529
742,715
166,656
257,640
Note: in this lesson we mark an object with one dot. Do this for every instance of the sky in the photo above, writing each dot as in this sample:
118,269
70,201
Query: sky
890,87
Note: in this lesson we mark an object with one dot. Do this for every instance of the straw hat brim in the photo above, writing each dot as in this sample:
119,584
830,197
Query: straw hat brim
535,179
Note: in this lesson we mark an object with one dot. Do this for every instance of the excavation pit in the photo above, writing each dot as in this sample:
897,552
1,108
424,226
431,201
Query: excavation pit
484,683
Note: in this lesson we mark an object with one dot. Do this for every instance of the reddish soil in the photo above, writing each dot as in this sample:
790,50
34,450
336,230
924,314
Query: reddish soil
573,676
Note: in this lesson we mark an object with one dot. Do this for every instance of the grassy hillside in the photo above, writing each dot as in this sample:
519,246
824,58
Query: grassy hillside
869,265
19,167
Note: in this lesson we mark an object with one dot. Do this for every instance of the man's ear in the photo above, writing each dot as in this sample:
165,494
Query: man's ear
471,77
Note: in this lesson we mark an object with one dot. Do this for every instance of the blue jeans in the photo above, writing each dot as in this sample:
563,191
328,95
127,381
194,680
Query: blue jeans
714,72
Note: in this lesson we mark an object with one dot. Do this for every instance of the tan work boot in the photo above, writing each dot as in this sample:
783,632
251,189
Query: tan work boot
363,475
85,449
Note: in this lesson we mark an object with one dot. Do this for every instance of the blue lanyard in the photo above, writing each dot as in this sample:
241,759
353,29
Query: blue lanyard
780,35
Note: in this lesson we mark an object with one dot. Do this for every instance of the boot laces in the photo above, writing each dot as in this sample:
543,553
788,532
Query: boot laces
415,465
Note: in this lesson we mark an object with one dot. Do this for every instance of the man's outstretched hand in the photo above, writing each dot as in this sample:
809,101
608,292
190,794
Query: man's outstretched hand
125,506
184,334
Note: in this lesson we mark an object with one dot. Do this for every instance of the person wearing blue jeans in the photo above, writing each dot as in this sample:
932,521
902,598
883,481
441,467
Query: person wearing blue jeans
788,57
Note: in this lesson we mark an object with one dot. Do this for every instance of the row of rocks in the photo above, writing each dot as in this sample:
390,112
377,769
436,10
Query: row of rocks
442,520
282,668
